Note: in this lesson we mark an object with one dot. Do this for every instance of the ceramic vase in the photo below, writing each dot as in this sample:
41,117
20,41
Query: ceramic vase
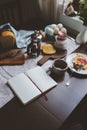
82,36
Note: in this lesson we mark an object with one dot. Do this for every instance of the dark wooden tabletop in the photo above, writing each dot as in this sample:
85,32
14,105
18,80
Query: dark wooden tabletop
63,99
46,115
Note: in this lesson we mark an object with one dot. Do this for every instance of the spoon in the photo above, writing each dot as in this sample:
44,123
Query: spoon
69,80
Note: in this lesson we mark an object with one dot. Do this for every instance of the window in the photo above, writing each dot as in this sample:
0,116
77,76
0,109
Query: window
73,22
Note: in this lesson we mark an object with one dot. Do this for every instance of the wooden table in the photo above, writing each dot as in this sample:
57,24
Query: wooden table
46,115
63,100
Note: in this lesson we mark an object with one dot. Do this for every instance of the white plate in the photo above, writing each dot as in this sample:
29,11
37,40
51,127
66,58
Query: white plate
69,61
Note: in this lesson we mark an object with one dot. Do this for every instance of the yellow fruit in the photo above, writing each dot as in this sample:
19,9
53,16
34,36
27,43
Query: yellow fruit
48,49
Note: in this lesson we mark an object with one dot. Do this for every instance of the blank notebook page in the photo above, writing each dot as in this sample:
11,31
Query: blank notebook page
23,88
41,78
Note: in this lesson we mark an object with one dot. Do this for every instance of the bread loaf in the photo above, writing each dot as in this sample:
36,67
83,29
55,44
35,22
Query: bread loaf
7,40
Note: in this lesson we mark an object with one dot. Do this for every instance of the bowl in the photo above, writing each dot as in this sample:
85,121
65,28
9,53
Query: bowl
60,43
54,30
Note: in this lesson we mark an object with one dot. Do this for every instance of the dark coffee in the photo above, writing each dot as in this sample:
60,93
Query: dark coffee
60,64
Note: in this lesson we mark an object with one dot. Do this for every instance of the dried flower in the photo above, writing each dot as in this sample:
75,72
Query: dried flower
83,11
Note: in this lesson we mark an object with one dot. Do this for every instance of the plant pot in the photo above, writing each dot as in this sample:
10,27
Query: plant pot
82,36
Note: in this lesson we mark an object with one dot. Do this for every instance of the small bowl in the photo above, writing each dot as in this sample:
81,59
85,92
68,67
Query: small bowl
60,44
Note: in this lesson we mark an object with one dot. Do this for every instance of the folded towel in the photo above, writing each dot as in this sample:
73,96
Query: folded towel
22,36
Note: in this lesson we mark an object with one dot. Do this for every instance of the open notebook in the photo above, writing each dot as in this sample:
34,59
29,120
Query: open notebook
31,84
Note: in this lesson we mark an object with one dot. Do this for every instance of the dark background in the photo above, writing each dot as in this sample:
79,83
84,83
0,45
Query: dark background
29,13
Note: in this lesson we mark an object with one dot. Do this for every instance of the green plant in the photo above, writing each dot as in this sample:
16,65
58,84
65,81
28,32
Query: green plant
83,11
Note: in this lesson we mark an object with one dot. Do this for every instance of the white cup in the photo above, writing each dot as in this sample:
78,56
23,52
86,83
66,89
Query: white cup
60,44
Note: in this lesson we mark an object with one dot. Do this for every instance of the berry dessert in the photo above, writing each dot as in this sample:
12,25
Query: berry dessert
80,63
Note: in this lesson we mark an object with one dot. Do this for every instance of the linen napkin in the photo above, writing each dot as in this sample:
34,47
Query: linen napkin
22,36
22,40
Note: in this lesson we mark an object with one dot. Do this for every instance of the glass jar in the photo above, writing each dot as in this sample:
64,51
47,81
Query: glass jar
33,49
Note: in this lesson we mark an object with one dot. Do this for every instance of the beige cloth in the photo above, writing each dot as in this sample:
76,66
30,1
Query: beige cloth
49,9
6,72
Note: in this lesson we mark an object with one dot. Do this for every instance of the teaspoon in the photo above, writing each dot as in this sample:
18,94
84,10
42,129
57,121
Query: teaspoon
69,80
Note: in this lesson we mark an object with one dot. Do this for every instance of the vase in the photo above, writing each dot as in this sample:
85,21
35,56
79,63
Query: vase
82,36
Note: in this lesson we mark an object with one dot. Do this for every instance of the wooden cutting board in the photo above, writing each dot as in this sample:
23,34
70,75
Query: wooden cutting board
59,54
16,60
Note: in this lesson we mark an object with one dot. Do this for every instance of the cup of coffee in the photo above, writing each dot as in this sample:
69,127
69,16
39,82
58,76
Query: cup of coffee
59,67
